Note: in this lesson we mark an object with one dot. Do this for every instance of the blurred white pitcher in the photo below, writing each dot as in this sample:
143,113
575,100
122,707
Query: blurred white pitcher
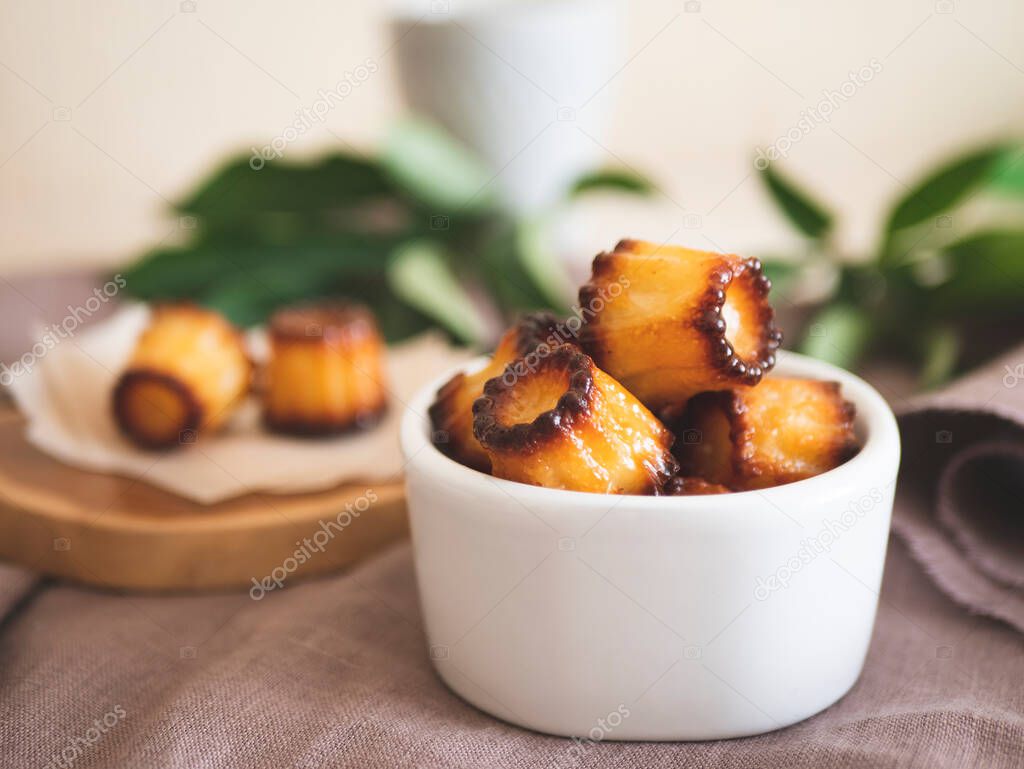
526,84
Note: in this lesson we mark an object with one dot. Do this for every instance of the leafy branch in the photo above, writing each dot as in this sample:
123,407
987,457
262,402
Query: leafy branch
945,265
415,232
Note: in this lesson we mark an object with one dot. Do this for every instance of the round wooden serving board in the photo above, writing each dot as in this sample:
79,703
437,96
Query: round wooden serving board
116,532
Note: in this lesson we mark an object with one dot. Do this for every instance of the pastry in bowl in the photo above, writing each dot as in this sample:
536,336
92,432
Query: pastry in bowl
669,322
781,431
563,423
688,335
187,373
325,374
451,414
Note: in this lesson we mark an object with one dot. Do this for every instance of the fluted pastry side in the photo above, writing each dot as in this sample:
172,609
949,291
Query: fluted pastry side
781,431
326,371
670,322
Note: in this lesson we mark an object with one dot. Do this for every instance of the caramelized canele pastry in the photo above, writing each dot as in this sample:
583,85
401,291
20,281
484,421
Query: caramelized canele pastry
670,322
451,414
188,371
325,374
781,431
688,486
565,424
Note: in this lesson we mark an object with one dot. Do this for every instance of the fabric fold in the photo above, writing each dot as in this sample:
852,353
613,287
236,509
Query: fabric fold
960,497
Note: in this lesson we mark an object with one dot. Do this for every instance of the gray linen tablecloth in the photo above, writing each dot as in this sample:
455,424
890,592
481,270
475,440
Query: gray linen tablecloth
334,672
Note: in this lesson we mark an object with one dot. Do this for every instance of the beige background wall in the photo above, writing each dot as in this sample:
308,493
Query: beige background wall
113,108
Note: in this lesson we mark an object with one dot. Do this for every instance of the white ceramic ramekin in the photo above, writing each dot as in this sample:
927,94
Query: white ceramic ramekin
653,618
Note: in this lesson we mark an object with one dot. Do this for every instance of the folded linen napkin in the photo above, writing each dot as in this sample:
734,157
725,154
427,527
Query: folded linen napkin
960,497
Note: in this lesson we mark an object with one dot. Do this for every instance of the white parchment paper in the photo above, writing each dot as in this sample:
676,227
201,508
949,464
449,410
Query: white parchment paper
66,400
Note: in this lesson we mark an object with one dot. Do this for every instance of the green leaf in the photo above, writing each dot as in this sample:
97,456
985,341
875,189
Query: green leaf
541,264
436,170
507,279
237,191
943,188
838,334
808,216
986,274
250,296
176,273
1008,174
190,272
248,281
613,180
419,274
941,349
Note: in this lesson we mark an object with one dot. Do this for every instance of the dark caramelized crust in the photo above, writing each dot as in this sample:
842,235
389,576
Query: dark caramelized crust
451,414
494,426
325,374
669,322
156,409
563,423
536,329
684,486
781,431
325,427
